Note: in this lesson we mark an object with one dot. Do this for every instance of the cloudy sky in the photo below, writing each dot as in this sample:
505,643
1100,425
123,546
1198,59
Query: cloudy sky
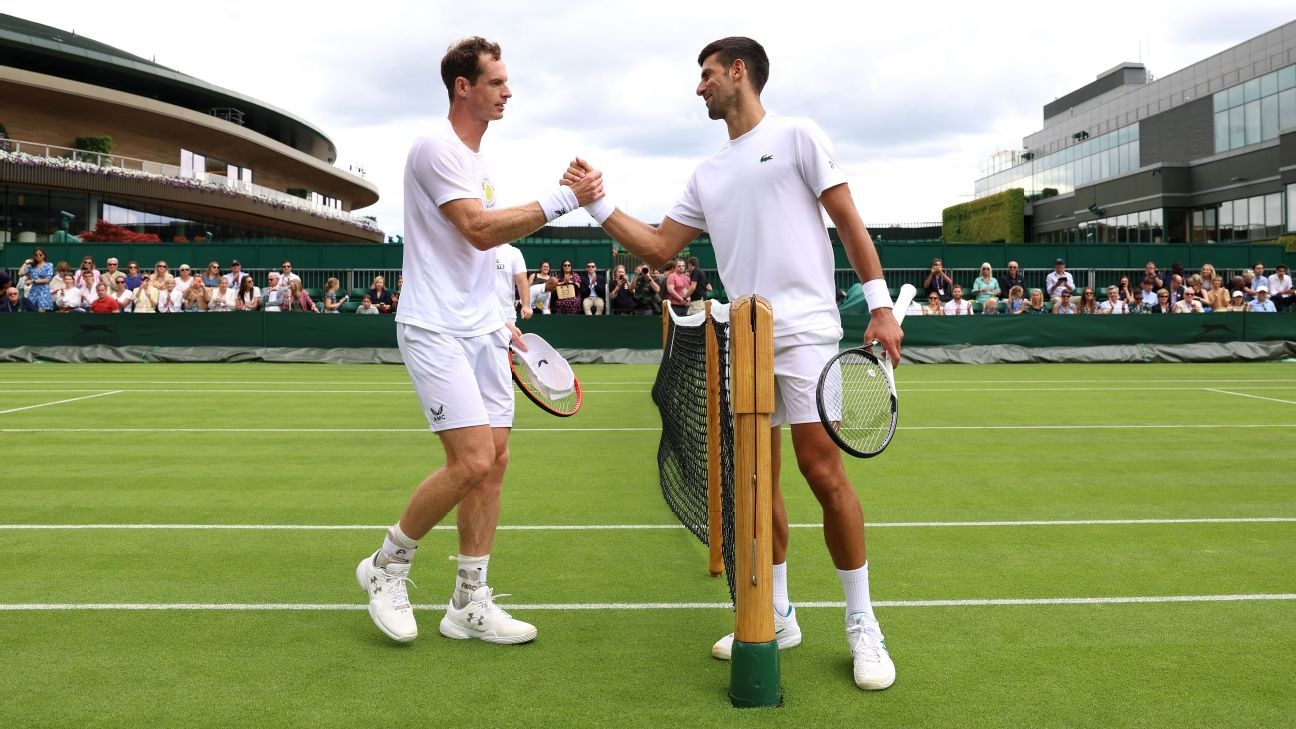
916,95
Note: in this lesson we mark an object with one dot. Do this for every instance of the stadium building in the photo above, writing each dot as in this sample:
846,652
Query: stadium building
97,133
1206,154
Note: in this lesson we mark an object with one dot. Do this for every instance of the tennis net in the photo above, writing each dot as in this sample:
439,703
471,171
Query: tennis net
680,393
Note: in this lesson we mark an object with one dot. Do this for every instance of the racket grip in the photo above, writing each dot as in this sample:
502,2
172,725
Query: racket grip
902,302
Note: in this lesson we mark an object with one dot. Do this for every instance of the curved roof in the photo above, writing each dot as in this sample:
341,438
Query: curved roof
43,49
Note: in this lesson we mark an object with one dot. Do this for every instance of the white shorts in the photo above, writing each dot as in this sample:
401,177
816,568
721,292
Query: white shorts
460,381
798,361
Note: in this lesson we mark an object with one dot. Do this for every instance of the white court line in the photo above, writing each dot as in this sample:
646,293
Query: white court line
642,527
988,602
57,402
1243,394
657,429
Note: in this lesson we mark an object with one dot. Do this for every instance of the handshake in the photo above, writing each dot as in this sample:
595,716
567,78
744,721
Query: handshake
587,185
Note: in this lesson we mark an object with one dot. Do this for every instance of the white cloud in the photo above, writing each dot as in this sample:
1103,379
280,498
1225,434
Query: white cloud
914,95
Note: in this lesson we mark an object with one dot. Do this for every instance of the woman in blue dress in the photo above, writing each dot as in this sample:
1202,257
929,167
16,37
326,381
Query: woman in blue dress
38,272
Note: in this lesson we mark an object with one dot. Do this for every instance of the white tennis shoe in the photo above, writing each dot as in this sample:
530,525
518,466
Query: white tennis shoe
786,632
874,670
482,619
389,604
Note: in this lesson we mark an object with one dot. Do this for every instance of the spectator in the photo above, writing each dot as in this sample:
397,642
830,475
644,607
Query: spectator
958,306
332,304
647,292
990,306
985,285
1059,281
87,277
1088,303
5,280
1036,305
566,291
14,302
378,294
105,302
125,295
366,306
1013,278
57,283
938,281
623,300
1148,291
1126,294
70,297
1280,288
1217,299
236,274
1162,306
1262,304
298,300
538,285
400,284
133,275
38,273
593,289
248,296
934,306
699,286
677,288
1113,304
1258,276
1150,271
196,298
160,275
1176,288
916,307
1015,304
184,280
171,300
113,278
512,287
1177,269
1237,303
273,293
1208,275
212,276
1065,305
221,298
286,275
145,297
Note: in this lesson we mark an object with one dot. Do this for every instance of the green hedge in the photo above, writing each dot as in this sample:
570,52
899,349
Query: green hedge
999,218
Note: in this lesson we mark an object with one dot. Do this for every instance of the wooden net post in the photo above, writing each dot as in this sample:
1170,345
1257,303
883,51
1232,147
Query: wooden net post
715,524
754,666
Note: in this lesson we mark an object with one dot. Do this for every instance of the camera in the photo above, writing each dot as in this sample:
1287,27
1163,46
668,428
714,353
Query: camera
643,270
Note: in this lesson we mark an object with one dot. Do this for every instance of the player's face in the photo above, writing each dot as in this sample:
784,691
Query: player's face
716,88
487,97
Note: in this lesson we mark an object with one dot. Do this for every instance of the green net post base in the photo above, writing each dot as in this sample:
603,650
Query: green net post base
754,675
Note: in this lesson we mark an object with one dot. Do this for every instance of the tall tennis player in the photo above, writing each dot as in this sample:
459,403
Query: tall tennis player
454,341
761,199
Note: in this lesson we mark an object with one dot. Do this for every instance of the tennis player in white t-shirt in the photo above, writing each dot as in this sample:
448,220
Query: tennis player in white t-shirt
511,275
454,342
761,199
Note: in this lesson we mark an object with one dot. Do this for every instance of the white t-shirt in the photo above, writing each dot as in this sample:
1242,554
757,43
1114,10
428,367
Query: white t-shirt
758,197
508,264
449,284
958,308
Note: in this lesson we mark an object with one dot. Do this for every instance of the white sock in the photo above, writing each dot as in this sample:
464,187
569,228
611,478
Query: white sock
396,547
781,602
856,585
470,575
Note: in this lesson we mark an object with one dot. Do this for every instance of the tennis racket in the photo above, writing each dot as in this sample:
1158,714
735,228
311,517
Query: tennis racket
545,378
857,395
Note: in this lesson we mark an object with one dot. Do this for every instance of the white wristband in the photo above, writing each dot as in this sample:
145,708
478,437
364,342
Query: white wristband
600,210
877,295
560,201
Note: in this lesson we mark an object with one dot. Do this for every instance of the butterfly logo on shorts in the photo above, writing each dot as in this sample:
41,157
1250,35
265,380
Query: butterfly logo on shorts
438,414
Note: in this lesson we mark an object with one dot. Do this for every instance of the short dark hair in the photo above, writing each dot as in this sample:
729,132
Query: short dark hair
735,47
464,59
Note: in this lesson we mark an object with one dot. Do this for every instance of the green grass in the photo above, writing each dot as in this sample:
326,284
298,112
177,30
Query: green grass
331,445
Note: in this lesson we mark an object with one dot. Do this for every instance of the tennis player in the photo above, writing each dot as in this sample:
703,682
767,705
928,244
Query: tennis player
454,342
760,198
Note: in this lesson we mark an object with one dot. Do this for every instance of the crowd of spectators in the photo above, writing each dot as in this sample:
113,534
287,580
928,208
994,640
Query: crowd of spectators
39,286
1174,291
680,284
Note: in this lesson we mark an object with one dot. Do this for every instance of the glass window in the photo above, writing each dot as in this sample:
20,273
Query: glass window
1287,109
1268,84
1255,212
1237,128
1252,121
1235,96
1269,117
1287,78
1221,131
1273,213
1226,221
1291,206
1251,90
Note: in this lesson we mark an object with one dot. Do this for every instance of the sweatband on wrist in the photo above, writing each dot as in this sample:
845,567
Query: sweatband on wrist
560,201
600,210
876,294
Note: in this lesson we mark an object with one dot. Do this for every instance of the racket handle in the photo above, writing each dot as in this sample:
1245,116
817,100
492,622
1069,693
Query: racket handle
902,302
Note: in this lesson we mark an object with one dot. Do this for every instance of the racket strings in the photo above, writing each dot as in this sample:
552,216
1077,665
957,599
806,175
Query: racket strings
859,403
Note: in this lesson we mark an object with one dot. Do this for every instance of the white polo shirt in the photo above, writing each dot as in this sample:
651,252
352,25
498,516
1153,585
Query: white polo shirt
449,284
758,197
508,264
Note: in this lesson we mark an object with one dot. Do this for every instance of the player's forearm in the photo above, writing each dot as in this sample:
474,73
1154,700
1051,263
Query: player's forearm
639,238
490,228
